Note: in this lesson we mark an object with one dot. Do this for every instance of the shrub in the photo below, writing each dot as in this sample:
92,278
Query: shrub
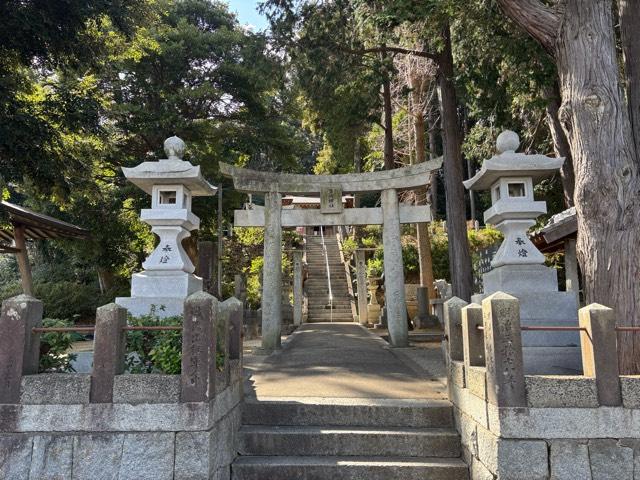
154,352
160,351
64,299
349,245
54,347
374,267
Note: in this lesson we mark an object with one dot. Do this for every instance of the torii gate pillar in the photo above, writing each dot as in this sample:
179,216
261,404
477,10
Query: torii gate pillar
272,272
394,270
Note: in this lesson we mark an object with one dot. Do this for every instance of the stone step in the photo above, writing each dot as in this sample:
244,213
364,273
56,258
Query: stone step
349,441
320,308
348,468
327,320
376,413
320,311
336,319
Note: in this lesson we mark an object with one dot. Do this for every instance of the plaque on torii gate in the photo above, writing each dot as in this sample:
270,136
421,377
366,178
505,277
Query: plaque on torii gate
330,187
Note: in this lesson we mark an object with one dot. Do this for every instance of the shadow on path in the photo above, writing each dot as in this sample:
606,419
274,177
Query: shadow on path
338,360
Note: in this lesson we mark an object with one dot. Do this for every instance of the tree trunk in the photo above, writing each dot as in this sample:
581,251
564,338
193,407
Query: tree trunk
432,122
389,163
596,121
629,11
357,166
561,145
105,279
416,83
459,256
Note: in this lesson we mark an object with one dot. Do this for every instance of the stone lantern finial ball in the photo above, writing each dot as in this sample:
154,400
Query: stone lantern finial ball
174,147
508,141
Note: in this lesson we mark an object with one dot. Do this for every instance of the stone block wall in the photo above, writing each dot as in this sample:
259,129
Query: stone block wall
534,427
146,433
53,426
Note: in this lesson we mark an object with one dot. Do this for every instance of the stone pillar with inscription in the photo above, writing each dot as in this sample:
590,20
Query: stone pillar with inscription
395,301
272,273
361,281
167,279
518,266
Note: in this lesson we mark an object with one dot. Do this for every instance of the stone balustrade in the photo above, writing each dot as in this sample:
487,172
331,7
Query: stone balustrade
516,426
123,425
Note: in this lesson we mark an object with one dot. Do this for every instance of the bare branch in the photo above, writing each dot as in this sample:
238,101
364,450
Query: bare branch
387,49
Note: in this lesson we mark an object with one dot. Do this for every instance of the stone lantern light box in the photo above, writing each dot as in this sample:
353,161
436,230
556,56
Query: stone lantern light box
167,279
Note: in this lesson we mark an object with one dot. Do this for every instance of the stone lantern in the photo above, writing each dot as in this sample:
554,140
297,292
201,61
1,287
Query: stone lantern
518,266
167,279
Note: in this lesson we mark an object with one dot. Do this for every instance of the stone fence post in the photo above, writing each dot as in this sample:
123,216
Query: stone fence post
19,346
109,349
199,348
236,317
453,327
599,352
472,337
503,351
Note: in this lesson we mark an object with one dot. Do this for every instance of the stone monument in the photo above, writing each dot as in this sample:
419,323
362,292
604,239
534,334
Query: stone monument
518,266
167,279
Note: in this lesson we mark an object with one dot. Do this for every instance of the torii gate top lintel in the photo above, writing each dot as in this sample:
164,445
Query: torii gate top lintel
253,181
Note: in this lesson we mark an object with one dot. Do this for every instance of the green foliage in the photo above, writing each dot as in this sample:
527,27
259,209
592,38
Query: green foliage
349,246
149,351
54,348
63,299
410,258
375,267
484,238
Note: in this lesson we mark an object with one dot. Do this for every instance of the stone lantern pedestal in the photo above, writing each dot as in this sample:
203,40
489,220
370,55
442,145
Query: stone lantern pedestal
167,279
518,267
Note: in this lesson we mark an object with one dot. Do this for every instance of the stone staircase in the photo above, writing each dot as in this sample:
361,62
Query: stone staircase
349,440
316,284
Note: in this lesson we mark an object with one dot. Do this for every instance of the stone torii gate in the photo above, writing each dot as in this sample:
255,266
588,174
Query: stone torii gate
330,188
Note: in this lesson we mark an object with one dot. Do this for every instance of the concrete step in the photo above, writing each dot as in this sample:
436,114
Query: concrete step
349,441
348,468
377,413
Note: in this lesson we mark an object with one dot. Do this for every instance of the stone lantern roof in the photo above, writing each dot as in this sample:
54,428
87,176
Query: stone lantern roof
508,163
170,171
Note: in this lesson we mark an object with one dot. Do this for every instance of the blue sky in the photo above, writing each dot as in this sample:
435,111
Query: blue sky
247,13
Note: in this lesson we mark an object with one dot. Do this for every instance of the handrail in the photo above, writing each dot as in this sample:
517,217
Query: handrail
326,262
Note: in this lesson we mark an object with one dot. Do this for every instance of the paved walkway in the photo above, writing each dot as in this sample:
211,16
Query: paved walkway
338,360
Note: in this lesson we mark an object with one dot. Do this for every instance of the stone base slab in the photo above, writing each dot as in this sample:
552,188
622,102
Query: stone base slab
515,279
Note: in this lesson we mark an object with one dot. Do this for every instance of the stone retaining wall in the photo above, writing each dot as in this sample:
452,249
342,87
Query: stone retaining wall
145,434
112,425
517,427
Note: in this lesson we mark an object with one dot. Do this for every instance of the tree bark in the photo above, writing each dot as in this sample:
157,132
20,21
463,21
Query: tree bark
357,166
432,123
459,256
607,189
561,145
423,239
389,163
629,12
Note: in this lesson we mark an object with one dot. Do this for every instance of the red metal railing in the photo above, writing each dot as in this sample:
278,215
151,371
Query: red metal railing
150,328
